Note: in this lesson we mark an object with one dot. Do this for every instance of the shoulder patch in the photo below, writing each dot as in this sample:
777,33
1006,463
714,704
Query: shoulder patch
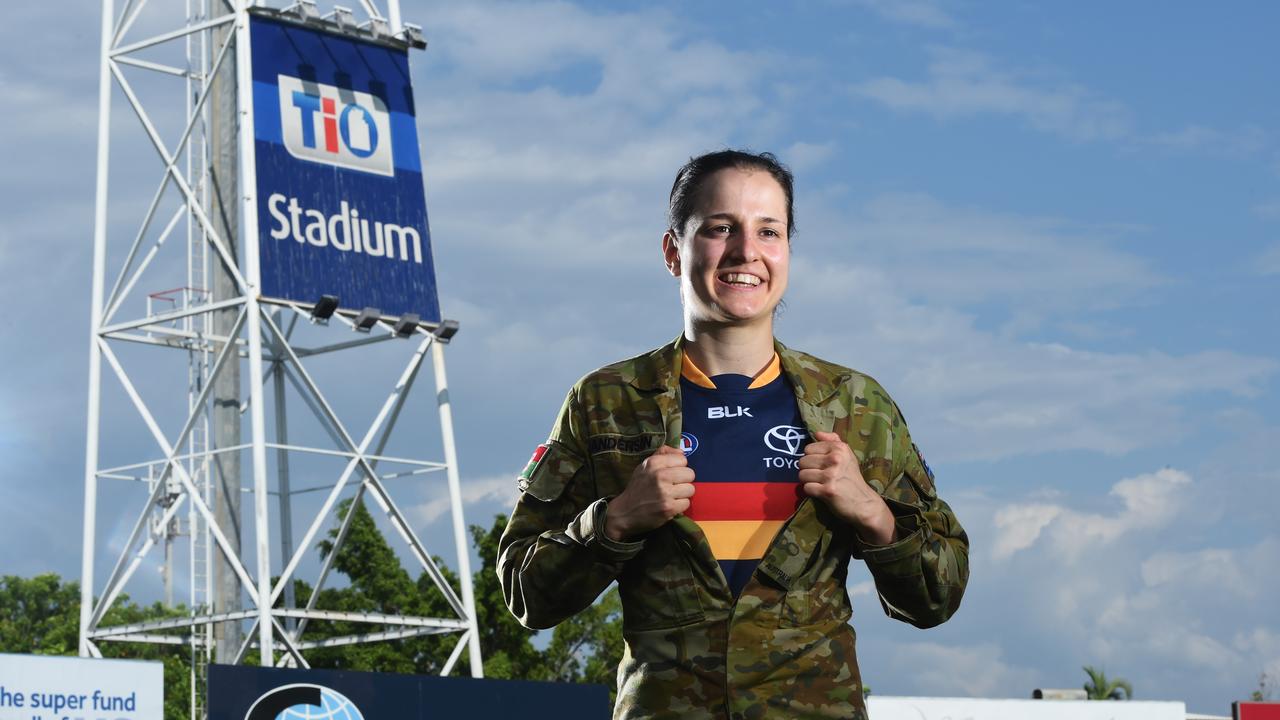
928,470
532,466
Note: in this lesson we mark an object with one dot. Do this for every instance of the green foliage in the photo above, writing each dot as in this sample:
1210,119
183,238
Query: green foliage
1099,687
42,615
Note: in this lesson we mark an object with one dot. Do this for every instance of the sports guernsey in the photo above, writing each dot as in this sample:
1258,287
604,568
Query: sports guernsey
743,438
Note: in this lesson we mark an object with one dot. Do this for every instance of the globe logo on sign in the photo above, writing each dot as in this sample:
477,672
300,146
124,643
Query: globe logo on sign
785,439
304,702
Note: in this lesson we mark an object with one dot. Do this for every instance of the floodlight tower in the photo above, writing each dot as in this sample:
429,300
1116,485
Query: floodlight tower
233,311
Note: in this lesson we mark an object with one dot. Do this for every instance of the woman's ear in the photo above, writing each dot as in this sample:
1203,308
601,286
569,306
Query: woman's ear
671,253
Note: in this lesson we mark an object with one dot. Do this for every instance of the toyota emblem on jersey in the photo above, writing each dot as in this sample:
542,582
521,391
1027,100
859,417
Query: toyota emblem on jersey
785,439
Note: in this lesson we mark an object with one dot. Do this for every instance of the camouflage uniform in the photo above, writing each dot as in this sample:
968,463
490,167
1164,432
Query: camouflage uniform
784,648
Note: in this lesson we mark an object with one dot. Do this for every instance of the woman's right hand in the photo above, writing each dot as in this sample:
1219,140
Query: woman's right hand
659,489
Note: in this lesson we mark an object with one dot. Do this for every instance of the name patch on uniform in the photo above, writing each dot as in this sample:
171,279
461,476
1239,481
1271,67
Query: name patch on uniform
624,444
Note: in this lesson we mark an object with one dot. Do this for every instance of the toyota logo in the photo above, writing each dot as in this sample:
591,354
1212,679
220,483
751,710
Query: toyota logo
785,439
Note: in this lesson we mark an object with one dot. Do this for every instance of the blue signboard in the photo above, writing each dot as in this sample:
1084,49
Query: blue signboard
341,209
239,692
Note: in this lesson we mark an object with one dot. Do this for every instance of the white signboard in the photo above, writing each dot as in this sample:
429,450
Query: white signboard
44,687
905,708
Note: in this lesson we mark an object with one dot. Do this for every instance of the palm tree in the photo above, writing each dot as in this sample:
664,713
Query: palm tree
1100,687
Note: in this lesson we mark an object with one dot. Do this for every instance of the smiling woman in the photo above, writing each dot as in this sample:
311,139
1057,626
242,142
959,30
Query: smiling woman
724,481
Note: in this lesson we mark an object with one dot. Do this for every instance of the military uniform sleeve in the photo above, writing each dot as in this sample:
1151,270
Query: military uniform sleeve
922,575
554,558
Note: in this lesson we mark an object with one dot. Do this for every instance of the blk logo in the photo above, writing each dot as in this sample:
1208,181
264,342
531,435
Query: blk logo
723,411
333,125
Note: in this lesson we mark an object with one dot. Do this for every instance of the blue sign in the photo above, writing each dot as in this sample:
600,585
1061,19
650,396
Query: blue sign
238,692
341,209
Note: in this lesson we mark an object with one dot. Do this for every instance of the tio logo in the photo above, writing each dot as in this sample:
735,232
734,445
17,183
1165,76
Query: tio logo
333,125
303,701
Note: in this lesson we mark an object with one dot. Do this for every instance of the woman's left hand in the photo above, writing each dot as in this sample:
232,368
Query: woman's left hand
829,471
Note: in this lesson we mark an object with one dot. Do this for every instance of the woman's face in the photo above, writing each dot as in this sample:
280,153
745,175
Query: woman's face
733,255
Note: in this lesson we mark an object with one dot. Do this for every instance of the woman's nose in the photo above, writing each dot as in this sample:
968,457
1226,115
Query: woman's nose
742,246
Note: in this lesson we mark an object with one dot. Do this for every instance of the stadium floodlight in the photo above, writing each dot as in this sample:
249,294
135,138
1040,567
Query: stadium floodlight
324,309
367,318
376,27
412,34
342,17
446,330
304,10
407,323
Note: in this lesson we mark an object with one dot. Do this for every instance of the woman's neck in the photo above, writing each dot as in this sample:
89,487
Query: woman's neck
721,349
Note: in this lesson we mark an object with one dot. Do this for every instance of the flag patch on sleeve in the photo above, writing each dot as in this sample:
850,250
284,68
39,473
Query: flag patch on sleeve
536,459
928,470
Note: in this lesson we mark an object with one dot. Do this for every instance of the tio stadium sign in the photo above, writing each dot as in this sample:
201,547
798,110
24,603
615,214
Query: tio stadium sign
340,201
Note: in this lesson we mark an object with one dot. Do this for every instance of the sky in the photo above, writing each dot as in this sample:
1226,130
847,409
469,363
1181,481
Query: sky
1051,232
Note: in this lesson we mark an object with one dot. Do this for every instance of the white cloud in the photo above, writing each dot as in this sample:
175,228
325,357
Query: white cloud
1268,263
1269,210
974,394
964,83
498,490
955,670
802,156
1137,588
1148,502
865,588
1020,526
1243,142
921,13
967,255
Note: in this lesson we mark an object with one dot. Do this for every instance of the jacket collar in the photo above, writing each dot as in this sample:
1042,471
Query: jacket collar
659,370
813,380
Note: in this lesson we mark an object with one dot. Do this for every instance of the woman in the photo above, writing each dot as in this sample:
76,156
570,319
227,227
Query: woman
724,481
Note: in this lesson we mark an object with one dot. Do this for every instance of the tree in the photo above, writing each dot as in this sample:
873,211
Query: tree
1099,687
1263,693
41,615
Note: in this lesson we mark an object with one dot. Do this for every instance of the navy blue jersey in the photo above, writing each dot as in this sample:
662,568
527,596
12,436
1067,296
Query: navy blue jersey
744,439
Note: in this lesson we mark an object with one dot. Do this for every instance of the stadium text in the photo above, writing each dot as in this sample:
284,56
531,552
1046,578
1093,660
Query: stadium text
345,231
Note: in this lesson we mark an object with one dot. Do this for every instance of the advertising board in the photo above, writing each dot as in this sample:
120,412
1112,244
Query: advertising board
340,200
46,687
909,708
1255,710
251,693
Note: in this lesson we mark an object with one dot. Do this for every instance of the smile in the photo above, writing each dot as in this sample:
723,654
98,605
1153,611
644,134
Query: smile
741,279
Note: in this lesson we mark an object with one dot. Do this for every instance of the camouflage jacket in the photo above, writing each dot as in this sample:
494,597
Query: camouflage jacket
783,648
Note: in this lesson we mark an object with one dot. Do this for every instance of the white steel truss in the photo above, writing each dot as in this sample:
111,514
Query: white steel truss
214,36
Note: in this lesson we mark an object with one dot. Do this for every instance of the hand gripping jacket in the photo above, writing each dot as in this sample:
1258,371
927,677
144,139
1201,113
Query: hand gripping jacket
784,648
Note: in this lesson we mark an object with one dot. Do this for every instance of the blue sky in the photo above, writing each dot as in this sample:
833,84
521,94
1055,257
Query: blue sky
1052,233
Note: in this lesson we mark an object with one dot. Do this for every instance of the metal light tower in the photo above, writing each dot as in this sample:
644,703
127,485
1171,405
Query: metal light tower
211,311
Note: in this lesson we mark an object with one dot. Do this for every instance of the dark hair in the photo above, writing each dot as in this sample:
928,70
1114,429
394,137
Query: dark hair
690,178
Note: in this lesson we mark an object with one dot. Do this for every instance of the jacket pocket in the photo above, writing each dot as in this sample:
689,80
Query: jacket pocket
820,604
658,586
